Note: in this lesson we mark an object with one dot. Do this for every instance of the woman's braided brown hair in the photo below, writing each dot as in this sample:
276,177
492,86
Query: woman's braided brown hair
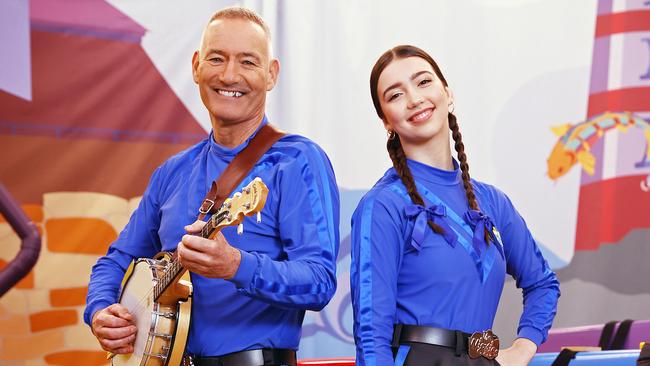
394,146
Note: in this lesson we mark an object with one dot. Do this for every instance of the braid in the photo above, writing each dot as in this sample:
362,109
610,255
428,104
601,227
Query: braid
396,152
464,167
462,158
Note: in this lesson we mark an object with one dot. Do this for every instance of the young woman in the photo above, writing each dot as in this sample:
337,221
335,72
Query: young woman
430,246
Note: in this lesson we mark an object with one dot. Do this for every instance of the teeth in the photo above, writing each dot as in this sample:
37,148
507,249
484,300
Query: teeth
420,116
231,94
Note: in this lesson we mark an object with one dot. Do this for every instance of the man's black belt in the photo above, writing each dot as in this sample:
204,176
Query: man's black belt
255,357
484,344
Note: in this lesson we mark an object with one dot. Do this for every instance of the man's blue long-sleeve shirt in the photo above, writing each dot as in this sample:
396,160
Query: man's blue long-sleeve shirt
400,276
288,260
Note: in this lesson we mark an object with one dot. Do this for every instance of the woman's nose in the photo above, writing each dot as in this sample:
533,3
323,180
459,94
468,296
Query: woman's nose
414,100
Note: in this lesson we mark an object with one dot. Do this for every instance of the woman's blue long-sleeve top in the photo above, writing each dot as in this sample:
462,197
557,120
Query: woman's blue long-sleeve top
288,260
402,272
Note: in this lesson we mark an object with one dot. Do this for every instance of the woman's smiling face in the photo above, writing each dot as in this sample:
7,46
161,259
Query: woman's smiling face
414,101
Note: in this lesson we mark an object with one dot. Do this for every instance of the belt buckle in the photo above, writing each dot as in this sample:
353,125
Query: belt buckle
484,344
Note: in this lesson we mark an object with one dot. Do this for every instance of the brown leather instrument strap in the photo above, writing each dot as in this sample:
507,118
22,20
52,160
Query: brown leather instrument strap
238,168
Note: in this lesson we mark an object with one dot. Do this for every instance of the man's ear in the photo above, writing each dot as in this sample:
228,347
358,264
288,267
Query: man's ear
195,66
274,71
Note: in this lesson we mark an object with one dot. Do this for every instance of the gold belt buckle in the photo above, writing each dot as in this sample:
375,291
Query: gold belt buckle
484,344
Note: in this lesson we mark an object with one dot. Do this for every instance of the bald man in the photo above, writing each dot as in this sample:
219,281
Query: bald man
251,290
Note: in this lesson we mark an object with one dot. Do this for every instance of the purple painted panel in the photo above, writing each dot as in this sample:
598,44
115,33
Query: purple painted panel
590,335
605,7
95,16
600,65
636,58
15,60
30,247
632,146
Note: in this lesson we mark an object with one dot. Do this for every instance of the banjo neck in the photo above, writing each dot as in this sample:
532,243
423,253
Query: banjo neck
175,270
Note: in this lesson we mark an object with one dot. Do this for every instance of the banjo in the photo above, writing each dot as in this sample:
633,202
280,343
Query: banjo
158,292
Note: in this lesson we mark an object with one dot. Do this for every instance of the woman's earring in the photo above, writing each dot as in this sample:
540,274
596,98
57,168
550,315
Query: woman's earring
391,134
451,107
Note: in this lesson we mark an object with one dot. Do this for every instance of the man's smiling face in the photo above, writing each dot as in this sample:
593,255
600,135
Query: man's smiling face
234,71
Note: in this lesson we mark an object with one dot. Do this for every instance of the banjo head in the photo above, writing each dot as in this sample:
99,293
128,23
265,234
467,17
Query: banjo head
137,297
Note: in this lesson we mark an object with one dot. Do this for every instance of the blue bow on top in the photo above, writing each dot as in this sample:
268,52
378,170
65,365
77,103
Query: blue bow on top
422,215
481,223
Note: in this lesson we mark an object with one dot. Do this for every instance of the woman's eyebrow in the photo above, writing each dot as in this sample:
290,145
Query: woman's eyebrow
398,84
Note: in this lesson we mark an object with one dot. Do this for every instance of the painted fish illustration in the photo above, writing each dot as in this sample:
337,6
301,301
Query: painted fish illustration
575,141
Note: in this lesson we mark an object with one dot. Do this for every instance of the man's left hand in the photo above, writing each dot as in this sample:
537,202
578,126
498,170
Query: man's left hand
213,258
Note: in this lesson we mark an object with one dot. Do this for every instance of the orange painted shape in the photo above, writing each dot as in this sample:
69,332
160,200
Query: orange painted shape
34,212
79,235
52,319
89,358
26,282
27,347
68,296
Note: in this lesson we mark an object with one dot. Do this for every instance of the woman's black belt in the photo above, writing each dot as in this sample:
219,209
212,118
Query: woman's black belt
255,357
478,344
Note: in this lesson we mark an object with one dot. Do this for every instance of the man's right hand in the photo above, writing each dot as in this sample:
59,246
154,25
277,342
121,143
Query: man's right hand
113,326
